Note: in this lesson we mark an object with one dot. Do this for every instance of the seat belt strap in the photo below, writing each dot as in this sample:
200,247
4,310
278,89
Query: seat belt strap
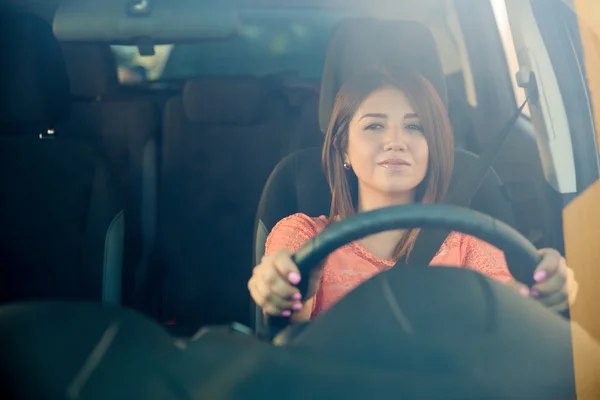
430,241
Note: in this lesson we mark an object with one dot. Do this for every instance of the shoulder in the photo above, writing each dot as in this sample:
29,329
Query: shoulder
468,245
479,255
472,243
293,231
455,239
469,249
303,222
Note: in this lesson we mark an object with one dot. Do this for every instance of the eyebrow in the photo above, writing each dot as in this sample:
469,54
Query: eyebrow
376,115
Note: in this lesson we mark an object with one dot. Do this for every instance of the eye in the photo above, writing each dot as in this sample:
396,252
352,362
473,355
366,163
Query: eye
415,127
374,127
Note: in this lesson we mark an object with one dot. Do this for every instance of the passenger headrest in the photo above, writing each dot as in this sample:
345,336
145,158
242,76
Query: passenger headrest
362,43
92,69
223,100
34,87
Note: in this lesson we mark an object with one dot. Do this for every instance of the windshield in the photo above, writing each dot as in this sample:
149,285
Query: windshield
270,41
186,198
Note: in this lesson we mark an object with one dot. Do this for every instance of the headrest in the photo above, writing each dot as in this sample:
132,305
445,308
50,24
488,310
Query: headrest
34,86
92,69
362,43
223,100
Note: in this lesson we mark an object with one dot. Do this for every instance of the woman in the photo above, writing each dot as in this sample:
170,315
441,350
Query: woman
389,142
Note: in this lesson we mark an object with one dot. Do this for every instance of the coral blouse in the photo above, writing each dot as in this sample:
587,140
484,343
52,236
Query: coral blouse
350,265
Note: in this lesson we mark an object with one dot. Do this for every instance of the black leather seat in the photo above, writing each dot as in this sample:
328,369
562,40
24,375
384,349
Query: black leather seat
298,184
222,138
61,207
124,126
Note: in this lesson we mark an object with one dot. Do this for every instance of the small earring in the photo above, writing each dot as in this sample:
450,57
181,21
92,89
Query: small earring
347,165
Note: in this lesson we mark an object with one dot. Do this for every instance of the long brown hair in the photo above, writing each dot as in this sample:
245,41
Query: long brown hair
437,131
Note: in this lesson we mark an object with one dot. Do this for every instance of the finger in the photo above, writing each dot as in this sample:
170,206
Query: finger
556,283
269,301
271,298
272,271
519,287
286,267
267,272
548,266
279,284
554,299
560,307
273,310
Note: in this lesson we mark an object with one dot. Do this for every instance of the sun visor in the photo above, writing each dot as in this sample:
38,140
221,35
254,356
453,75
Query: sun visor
145,22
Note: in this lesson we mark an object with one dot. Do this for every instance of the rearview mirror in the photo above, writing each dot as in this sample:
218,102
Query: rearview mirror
145,22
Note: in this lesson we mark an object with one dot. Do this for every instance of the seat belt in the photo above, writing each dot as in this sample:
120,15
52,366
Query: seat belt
430,241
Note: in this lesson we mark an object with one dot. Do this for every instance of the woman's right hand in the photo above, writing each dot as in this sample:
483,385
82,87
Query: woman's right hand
273,284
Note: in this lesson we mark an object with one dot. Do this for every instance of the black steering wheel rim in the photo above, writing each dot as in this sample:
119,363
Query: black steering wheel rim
521,255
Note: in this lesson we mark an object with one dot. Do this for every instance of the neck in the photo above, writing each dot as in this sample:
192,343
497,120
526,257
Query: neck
370,200
382,244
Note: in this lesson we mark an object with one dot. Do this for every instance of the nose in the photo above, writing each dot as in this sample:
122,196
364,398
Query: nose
395,139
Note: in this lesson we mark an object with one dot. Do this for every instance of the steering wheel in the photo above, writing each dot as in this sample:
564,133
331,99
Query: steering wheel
521,255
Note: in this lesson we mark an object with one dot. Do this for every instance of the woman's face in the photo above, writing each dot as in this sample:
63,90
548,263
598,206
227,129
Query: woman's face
386,147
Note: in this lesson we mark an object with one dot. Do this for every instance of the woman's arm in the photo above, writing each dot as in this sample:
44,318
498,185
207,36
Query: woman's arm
291,233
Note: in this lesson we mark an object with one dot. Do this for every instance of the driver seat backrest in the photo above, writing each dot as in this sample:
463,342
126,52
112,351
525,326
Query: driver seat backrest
222,138
298,184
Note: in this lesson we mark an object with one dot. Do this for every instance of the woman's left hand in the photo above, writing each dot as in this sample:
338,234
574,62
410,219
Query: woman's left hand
556,287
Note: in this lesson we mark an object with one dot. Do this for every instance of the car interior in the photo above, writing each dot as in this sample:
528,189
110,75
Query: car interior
156,196
190,165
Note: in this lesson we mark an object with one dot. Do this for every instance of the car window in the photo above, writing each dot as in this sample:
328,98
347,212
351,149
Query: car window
499,7
270,41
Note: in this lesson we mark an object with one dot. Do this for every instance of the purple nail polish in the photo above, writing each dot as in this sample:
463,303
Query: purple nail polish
297,307
296,296
539,276
286,313
294,278
524,291
535,293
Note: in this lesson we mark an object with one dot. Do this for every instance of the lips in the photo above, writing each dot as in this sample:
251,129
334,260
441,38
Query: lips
394,163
